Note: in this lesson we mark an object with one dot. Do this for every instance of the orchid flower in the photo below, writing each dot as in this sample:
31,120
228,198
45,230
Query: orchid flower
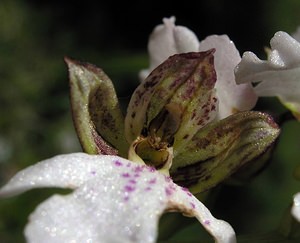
169,122
279,75
168,146
168,39
114,200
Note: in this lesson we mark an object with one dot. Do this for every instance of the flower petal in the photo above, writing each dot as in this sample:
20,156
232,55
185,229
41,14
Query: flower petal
96,114
232,97
296,207
221,148
287,48
180,82
115,201
279,76
167,40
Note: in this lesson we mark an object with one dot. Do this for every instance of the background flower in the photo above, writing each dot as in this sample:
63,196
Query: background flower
279,75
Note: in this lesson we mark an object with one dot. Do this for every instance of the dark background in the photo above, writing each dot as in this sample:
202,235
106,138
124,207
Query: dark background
35,120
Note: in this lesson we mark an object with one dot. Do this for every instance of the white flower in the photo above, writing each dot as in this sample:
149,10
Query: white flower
279,75
114,200
168,39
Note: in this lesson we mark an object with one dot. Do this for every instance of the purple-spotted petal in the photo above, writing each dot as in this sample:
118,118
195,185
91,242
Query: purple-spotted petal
296,207
114,200
166,40
232,97
279,76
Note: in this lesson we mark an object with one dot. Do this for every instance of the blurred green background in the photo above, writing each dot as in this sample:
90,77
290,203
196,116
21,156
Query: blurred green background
35,120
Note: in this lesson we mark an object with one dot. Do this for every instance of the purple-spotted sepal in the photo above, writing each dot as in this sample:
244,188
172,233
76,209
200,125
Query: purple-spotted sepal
222,148
174,102
96,114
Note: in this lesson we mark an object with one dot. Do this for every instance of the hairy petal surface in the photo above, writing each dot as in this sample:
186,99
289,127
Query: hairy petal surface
232,97
114,200
166,40
279,76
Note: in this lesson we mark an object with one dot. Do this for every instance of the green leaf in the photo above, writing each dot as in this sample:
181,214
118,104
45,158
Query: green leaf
96,114
221,148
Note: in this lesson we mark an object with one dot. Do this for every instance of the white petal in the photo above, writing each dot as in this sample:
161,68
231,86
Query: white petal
166,40
296,207
64,171
287,47
285,55
116,201
232,97
279,76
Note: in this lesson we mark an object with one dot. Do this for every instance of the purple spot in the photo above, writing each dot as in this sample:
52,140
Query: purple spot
193,205
151,169
125,175
168,191
152,181
118,163
136,175
126,199
129,188
138,169
93,172
132,181
128,165
148,188
207,222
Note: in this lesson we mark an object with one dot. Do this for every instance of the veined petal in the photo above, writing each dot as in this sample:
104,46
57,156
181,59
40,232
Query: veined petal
221,148
279,76
177,82
296,207
114,200
166,40
232,97
98,119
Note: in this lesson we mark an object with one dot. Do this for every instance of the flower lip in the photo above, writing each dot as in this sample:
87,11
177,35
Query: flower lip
111,194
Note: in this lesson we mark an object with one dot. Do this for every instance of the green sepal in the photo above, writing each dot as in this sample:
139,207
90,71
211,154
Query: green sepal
169,89
96,114
221,148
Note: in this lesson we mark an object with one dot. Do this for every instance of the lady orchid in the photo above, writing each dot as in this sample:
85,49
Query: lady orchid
184,133
167,132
